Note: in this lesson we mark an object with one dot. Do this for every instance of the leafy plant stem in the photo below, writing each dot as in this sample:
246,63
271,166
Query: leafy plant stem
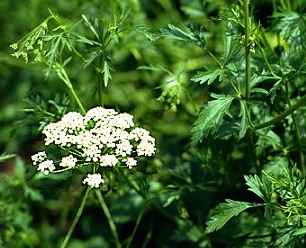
247,47
301,159
76,219
108,217
283,115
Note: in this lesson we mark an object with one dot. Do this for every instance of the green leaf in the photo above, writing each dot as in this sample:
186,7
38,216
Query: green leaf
224,212
260,91
267,139
262,187
210,118
106,73
91,27
176,33
207,76
256,79
244,119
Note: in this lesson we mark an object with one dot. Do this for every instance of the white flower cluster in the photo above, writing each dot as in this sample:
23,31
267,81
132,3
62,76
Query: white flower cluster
103,137
93,180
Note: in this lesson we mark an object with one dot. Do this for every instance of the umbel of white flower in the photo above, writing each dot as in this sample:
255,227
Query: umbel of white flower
102,137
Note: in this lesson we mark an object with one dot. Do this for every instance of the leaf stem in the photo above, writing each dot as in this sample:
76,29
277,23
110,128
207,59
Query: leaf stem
75,220
109,218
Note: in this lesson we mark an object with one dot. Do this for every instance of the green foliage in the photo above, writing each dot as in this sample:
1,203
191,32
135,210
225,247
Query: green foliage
261,187
208,76
224,212
222,89
211,118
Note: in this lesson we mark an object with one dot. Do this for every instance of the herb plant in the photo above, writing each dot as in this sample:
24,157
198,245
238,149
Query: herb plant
219,84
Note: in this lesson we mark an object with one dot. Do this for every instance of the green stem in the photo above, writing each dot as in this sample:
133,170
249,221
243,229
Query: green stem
61,72
135,227
108,217
148,236
267,62
247,48
301,159
289,5
215,58
99,90
283,115
100,83
76,219
77,99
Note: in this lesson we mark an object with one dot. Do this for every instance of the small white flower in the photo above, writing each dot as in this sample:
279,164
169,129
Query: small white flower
108,160
39,157
122,121
73,120
131,162
146,147
139,133
46,167
93,180
68,161
124,148
99,113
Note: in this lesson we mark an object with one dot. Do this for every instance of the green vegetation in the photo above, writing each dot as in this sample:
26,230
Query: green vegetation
219,84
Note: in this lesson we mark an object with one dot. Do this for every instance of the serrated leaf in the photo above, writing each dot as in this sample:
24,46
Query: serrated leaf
177,33
210,118
224,212
207,76
262,187
256,79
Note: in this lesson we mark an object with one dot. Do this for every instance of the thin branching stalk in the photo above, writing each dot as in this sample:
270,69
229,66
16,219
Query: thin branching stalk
283,115
99,89
250,136
215,59
61,72
135,228
297,132
108,217
76,219
247,48
100,84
